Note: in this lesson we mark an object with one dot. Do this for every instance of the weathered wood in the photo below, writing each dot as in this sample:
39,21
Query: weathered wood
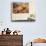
11,40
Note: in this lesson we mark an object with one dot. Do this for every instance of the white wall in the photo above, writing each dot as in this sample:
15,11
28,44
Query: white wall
30,30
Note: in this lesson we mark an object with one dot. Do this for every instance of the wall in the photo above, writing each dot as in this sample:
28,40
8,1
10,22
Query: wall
30,30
